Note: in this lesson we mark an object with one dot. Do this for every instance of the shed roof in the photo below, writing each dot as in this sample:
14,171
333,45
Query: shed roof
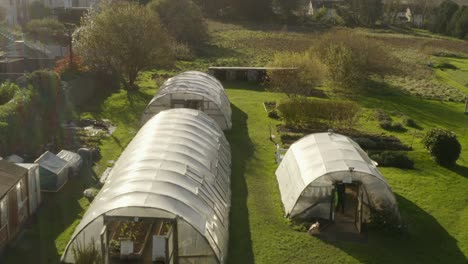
320,160
51,162
10,174
178,162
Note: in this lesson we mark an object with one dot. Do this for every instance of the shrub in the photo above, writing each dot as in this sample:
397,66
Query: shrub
381,115
391,126
409,122
443,145
66,70
309,73
7,92
366,143
273,114
305,112
86,254
393,159
351,58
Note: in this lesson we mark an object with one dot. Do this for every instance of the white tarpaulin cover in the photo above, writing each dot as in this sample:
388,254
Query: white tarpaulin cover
177,166
192,86
73,159
314,163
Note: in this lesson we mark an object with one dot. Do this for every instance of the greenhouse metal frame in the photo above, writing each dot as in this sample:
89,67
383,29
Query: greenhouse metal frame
314,164
195,90
177,168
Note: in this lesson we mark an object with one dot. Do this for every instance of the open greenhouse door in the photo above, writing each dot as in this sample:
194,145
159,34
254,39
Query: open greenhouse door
358,215
165,246
104,245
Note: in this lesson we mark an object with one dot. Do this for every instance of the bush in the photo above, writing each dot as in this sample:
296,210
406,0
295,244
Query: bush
273,114
304,112
7,92
391,126
409,122
381,115
443,145
366,143
309,74
351,58
393,159
183,20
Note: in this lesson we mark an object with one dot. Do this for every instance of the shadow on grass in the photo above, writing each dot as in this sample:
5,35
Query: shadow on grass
240,244
426,242
57,215
460,170
430,112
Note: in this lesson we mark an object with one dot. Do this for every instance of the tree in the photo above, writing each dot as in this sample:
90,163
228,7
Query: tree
351,58
458,26
391,9
37,10
366,12
3,13
443,145
183,20
301,73
47,30
287,7
255,10
124,38
442,17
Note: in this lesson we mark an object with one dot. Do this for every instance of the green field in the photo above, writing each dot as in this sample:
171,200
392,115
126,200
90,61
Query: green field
433,200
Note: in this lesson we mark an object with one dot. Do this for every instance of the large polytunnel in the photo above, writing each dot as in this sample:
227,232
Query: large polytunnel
176,171
195,90
311,168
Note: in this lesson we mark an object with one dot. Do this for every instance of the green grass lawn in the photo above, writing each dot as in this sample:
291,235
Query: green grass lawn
458,77
432,199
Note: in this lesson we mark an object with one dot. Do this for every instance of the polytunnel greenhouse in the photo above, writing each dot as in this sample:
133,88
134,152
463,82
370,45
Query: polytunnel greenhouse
195,90
167,198
314,166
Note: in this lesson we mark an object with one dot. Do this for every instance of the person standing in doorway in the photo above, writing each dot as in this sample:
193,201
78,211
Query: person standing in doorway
340,190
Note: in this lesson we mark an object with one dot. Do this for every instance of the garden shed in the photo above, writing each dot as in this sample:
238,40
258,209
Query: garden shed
167,198
34,186
73,160
53,172
195,90
13,201
314,167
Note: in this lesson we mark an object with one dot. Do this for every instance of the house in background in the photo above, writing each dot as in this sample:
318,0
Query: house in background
16,11
15,197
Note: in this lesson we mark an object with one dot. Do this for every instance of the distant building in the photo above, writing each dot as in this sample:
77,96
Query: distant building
16,11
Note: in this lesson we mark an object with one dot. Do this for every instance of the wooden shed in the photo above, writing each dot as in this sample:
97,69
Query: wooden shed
14,207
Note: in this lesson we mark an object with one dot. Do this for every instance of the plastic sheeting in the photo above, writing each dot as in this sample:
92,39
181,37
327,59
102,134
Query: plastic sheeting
313,164
73,160
177,166
194,86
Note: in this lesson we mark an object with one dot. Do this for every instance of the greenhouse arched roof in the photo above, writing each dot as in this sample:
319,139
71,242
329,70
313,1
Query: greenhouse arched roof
320,160
198,83
178,162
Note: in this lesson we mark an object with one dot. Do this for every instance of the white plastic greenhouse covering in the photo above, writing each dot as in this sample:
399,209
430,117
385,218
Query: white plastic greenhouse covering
177,166
314,163
205,91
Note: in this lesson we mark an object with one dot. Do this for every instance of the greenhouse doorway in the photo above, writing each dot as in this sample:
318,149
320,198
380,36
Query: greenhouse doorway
191,104
347,206
139,240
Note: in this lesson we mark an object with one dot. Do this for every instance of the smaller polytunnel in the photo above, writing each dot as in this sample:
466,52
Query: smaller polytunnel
195,90
177,167
312,165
